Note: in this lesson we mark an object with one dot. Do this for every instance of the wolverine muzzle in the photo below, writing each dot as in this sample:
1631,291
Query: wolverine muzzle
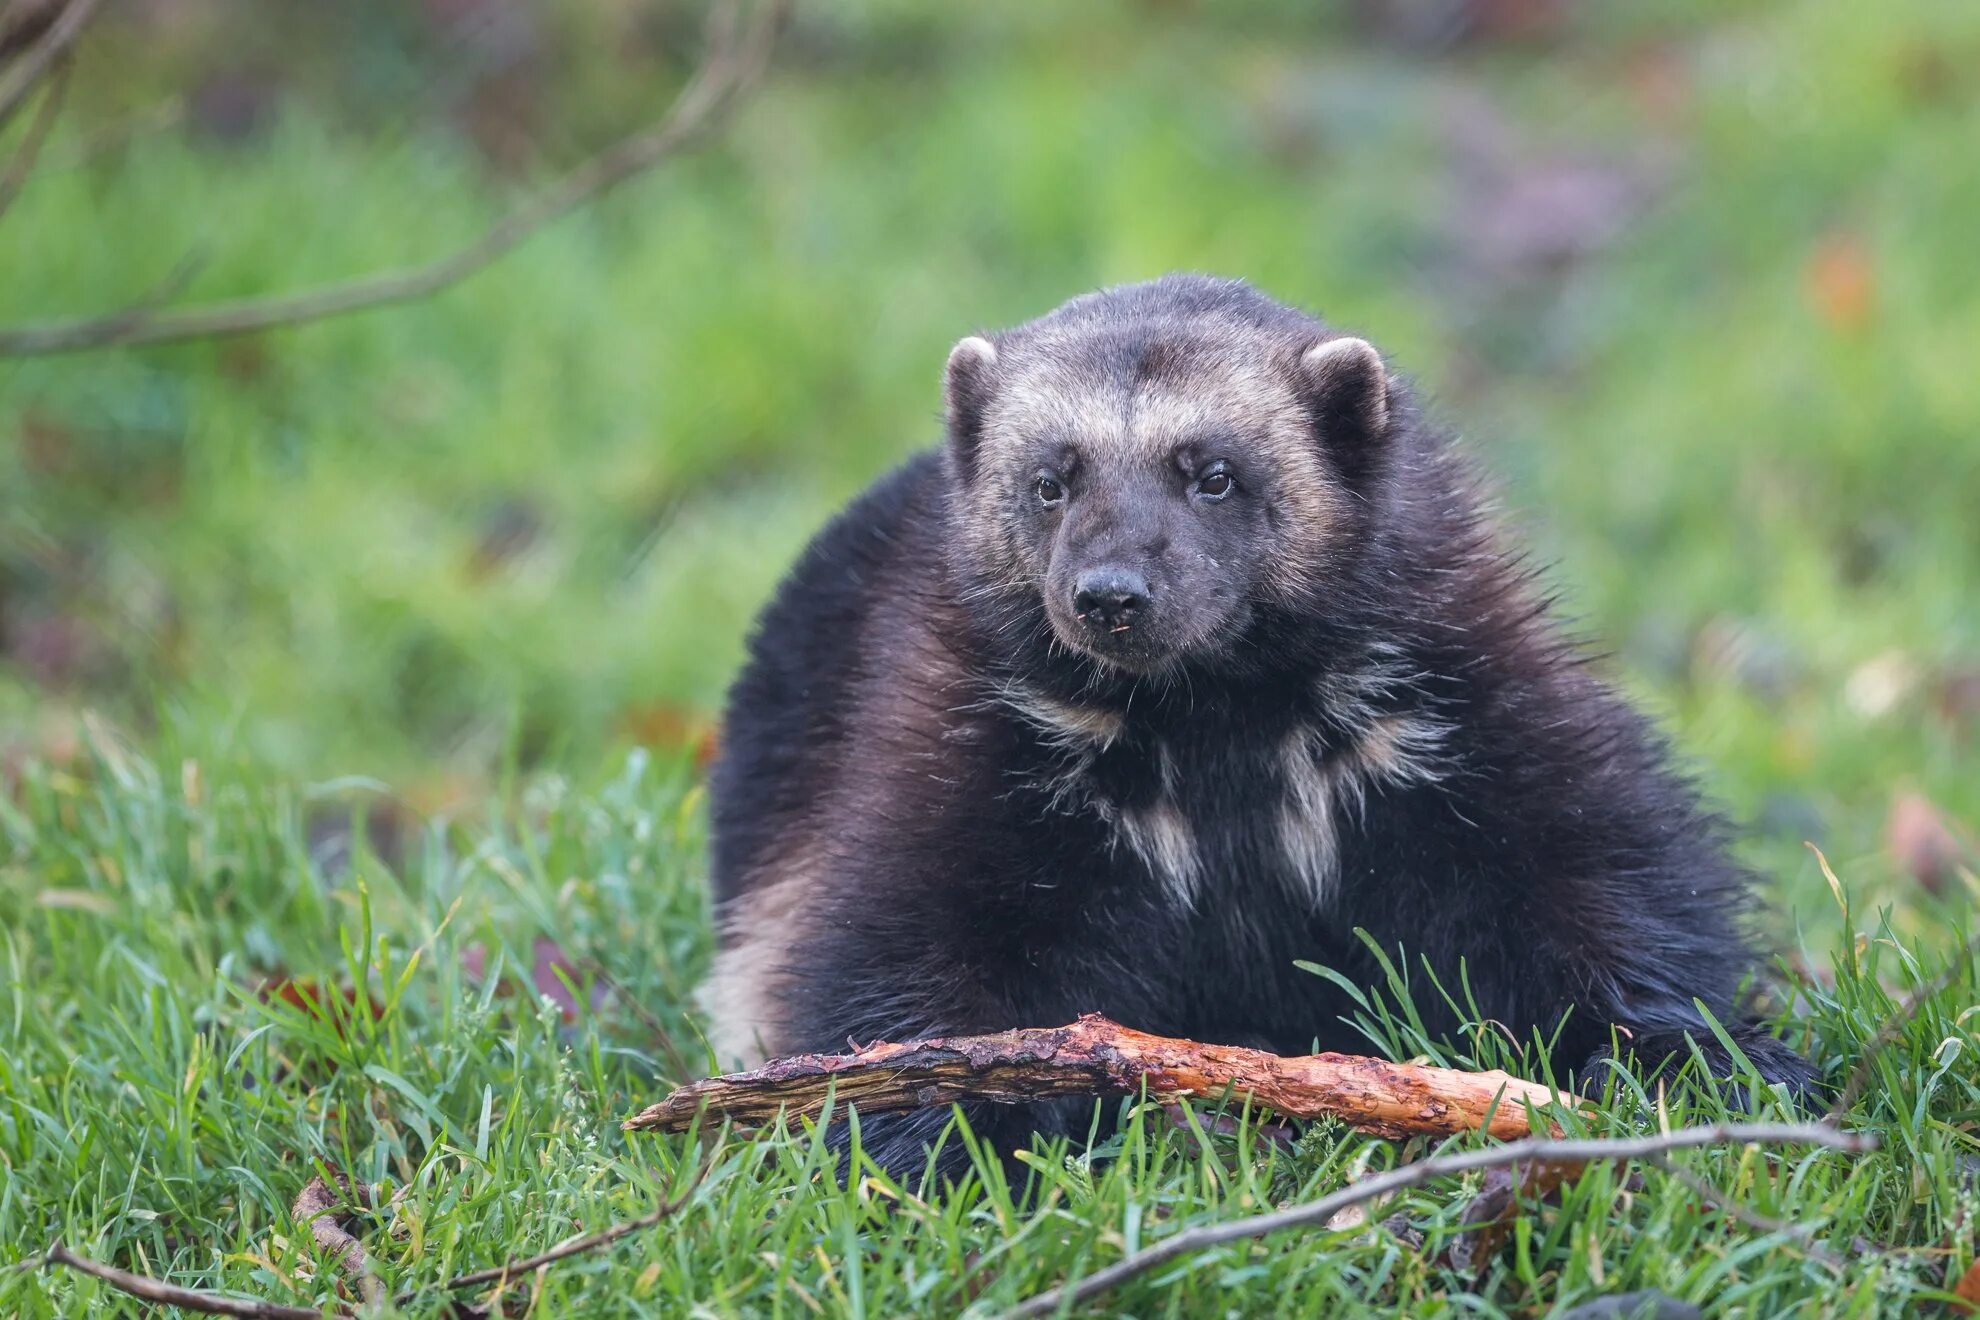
1110,600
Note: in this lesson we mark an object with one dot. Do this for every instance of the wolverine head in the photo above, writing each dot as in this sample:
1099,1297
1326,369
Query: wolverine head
1156,463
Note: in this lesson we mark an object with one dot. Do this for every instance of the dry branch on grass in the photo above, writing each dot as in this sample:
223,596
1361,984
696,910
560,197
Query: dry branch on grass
1096,1056
738,53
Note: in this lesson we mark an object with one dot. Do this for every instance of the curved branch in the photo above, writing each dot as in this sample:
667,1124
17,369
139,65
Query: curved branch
736,60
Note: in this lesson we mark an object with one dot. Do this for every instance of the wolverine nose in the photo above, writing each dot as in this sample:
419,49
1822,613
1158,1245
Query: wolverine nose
1110,598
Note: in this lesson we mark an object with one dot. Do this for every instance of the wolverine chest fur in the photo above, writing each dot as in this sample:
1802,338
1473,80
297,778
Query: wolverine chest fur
1215,790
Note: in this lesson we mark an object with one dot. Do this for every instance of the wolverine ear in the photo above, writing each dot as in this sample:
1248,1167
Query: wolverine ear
1347,390
965,391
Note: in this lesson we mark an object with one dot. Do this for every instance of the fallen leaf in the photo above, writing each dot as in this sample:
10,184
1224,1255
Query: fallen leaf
1921,844
233,106
673,726
1968,1289
1958,699
1492,1211
306,994
1841,281
548,961
1659,82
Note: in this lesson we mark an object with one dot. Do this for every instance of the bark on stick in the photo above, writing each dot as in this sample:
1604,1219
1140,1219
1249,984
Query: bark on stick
1096,1056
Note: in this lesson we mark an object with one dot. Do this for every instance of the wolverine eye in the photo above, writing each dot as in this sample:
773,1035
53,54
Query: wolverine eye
1215,484
1051,491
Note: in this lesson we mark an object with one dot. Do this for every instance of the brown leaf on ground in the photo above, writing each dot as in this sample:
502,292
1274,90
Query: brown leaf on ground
673,726
307,994
1958,699
1968,1290
552,973
1491,1213
1841,280
1921,843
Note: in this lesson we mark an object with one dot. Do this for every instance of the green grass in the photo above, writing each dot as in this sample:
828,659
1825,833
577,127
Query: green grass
410,579
157,1111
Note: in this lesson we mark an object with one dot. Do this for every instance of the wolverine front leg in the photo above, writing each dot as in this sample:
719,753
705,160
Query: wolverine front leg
1640,1001
834,986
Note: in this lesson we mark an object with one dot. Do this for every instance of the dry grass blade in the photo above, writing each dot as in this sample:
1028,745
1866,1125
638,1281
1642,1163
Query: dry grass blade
737,57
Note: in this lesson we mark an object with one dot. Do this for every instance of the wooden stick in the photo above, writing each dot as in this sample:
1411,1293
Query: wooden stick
1096,1056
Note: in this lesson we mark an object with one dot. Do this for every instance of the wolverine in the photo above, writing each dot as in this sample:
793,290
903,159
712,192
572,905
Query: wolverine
1189,654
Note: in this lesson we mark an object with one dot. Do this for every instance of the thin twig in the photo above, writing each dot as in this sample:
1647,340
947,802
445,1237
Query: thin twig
737,57
186,1299
1895,1024
29,150
572,1246
1410,1175
17,81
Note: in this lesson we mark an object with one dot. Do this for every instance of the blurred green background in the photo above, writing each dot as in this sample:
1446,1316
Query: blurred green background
1696,282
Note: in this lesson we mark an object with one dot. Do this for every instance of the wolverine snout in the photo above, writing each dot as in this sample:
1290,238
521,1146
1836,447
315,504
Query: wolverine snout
1110,599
